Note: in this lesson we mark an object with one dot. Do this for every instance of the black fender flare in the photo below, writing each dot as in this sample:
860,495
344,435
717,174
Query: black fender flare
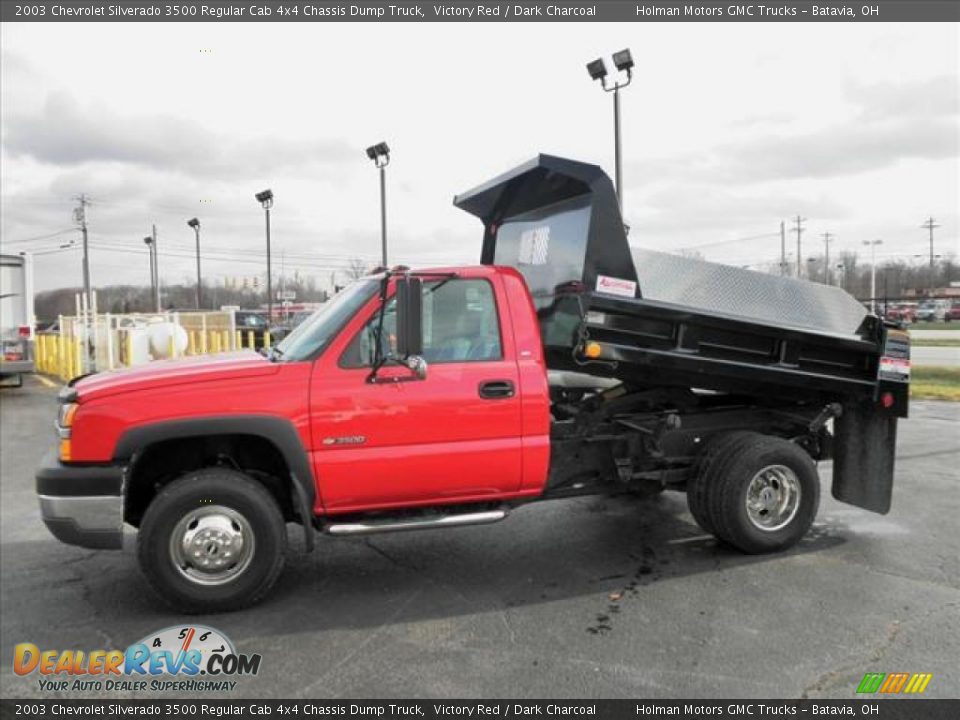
277,430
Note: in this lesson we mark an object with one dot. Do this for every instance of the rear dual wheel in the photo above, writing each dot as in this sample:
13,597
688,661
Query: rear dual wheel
756,492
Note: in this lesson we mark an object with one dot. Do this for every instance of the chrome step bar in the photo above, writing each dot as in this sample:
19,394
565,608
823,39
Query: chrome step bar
441,521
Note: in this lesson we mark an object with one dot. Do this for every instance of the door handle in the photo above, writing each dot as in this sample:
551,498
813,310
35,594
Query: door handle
496,389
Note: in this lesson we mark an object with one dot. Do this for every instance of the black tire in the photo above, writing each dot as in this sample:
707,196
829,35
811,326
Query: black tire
702,481
233,498
730,476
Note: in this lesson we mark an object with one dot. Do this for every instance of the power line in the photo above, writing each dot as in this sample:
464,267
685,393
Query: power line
39,237
717,243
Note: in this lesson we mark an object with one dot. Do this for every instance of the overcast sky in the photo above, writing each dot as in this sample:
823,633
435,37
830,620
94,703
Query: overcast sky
728,128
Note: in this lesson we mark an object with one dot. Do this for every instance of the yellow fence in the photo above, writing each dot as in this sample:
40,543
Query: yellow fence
107,342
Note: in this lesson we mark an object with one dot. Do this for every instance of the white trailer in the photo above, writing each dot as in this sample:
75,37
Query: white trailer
16,315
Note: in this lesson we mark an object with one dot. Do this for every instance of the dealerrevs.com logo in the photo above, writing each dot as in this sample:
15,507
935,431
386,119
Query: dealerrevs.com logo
188,658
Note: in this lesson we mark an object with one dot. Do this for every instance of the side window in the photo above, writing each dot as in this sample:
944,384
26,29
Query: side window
362,349
460,324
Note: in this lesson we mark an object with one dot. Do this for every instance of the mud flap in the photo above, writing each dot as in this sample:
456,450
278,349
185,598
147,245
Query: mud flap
864,453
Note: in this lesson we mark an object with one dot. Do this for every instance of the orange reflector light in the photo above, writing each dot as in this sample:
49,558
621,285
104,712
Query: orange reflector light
887,400
65,450
593,350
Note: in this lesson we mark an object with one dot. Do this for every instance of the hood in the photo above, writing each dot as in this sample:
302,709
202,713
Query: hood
165,373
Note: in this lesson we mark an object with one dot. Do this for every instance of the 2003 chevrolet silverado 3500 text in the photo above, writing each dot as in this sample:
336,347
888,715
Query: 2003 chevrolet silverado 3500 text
566,363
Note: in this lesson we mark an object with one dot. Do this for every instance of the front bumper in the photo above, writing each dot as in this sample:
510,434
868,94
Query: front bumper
82,504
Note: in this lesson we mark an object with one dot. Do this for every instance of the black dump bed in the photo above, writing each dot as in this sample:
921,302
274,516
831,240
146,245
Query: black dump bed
663,319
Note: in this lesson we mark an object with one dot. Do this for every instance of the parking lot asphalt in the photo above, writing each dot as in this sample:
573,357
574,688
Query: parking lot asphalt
585,598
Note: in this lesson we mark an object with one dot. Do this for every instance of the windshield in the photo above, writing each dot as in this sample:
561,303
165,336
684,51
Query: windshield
312,335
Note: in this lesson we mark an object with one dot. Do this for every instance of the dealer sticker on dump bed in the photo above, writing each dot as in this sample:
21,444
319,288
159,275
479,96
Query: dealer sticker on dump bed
895,361
616,286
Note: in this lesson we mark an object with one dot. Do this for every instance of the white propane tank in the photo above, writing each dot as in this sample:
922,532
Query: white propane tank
139,345
160,332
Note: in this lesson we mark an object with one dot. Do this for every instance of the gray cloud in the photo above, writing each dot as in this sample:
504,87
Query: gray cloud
894,123
65,133
700,209
935,97
837,151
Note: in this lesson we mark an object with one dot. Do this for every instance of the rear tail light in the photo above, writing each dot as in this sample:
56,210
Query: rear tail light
23,331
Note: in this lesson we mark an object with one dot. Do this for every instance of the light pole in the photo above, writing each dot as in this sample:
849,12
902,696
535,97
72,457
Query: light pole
148,241
265,198
873,271
380,154
195,224
843,274
598,71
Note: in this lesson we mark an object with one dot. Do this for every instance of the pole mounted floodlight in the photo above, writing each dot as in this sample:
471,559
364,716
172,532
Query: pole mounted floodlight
195,224
623,60
265,198
597,69
380,154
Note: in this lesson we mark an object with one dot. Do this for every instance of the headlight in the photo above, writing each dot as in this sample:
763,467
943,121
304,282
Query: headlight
65,418
64,427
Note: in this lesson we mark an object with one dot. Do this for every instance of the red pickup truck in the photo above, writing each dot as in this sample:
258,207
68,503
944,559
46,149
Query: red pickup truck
447,397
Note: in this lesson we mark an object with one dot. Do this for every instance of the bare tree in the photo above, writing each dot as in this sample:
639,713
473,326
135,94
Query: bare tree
356,268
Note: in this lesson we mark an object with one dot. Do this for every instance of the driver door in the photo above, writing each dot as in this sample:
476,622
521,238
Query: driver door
452,437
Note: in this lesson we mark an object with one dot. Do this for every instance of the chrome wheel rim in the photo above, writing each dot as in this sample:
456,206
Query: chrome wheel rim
212,545
773,498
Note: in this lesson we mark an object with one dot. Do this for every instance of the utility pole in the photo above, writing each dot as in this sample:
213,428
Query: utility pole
623,61
873,271
265,198
195,224
383,212
156,269
80,215
929,225
783,248
380,154
148,241
827,237
798,222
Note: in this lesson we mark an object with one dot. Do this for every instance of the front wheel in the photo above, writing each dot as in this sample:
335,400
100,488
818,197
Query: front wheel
760,494
212,540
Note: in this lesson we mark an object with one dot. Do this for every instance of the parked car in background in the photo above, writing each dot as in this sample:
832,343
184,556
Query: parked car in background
253,321
952,313
279,331
902,313
927,312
